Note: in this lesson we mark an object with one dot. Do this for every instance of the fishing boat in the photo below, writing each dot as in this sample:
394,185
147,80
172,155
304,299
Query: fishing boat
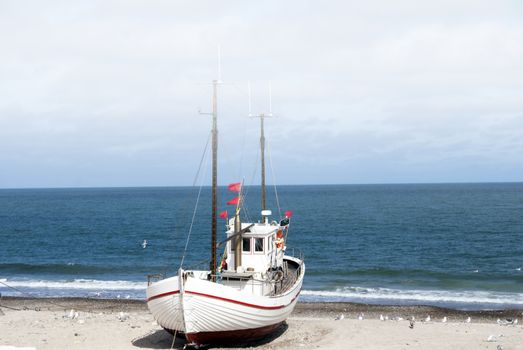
253,289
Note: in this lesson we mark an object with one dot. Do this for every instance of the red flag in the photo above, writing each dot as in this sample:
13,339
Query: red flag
288,213
235,187
234,201
224,214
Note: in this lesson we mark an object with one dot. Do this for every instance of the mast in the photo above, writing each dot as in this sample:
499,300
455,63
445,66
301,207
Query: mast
262,117
214,176
262,146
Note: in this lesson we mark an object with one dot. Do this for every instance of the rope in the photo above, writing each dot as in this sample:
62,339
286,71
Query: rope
174,338
255,170
201,160
194,213
274,181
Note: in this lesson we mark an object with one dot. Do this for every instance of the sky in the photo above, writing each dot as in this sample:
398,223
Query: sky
108,93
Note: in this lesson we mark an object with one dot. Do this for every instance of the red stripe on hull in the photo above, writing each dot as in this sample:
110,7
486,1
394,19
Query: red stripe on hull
163,295
241,335
237,301
243,303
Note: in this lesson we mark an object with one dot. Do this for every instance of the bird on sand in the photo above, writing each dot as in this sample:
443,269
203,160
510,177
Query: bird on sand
492,338
339,318
427,319
468,319
360,316
444,319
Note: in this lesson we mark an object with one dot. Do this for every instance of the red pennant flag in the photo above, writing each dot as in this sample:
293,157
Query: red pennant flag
234,201
235,187
224,214
288,213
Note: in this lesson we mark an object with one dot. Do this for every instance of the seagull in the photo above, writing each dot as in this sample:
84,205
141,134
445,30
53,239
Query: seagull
412,322
492,338
340,317
515,322
427,319
122,316
499,347
518,269
386,317
468,319
144,244
382,318
444,319
360,316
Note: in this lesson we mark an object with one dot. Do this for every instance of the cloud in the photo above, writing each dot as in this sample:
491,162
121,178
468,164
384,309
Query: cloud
104,92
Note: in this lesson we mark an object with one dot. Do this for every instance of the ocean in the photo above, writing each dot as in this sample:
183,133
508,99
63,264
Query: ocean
451,245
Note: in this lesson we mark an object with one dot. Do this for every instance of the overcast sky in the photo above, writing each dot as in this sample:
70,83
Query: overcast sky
107,93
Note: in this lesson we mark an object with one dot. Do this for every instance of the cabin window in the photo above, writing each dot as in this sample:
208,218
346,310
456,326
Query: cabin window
258,244
246,245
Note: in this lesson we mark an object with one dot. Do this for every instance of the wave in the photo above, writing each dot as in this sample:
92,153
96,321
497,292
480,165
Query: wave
463,299
72,268
84,284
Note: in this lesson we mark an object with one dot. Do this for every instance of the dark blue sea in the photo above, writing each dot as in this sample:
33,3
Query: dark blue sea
454,245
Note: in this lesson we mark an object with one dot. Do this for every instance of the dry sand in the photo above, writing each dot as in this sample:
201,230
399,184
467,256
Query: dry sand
109,324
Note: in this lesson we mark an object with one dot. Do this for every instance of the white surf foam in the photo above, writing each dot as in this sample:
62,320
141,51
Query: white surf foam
360,294
85,284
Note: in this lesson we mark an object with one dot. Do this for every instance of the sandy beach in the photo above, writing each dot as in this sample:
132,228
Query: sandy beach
125,324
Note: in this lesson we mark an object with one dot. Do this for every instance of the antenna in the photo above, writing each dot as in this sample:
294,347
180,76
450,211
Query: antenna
219,63
270,98
260,114
249,88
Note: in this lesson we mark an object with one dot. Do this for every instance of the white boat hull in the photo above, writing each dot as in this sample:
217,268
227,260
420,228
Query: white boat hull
208,312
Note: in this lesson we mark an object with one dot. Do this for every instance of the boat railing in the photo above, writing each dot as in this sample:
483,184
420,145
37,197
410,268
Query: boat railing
154,278
294,253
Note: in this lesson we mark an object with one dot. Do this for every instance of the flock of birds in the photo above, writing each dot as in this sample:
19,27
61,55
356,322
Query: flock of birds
361,317
412,322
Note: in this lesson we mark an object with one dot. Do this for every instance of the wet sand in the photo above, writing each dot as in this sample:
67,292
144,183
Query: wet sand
127,324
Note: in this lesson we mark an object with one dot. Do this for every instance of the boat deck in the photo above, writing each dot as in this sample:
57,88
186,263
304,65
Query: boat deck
291,272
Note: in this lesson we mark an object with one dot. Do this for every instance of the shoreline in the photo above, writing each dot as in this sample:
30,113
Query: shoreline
302,309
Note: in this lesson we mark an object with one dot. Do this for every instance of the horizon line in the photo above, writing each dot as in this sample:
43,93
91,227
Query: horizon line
308,184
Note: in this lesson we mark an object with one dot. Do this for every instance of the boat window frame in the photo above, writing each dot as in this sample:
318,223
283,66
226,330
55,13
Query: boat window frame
262,251
249,245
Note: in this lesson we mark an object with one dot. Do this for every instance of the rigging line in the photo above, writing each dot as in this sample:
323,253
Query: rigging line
274,181
255,170
194,213
201,160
